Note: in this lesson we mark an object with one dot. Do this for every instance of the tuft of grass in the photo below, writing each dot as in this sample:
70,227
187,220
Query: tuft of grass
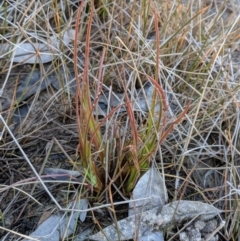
137,153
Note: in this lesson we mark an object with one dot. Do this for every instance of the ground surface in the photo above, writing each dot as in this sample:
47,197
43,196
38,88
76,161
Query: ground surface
200,64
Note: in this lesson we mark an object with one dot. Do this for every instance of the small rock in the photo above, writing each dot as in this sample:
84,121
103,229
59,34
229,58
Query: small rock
210,226
194,234
199,224
200,231
183,236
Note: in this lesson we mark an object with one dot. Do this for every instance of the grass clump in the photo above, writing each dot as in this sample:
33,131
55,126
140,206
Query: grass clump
137,152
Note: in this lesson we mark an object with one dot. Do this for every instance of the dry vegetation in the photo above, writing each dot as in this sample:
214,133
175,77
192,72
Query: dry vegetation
188,51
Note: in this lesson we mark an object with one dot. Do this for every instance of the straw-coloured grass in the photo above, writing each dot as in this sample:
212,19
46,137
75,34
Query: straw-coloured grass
188,52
